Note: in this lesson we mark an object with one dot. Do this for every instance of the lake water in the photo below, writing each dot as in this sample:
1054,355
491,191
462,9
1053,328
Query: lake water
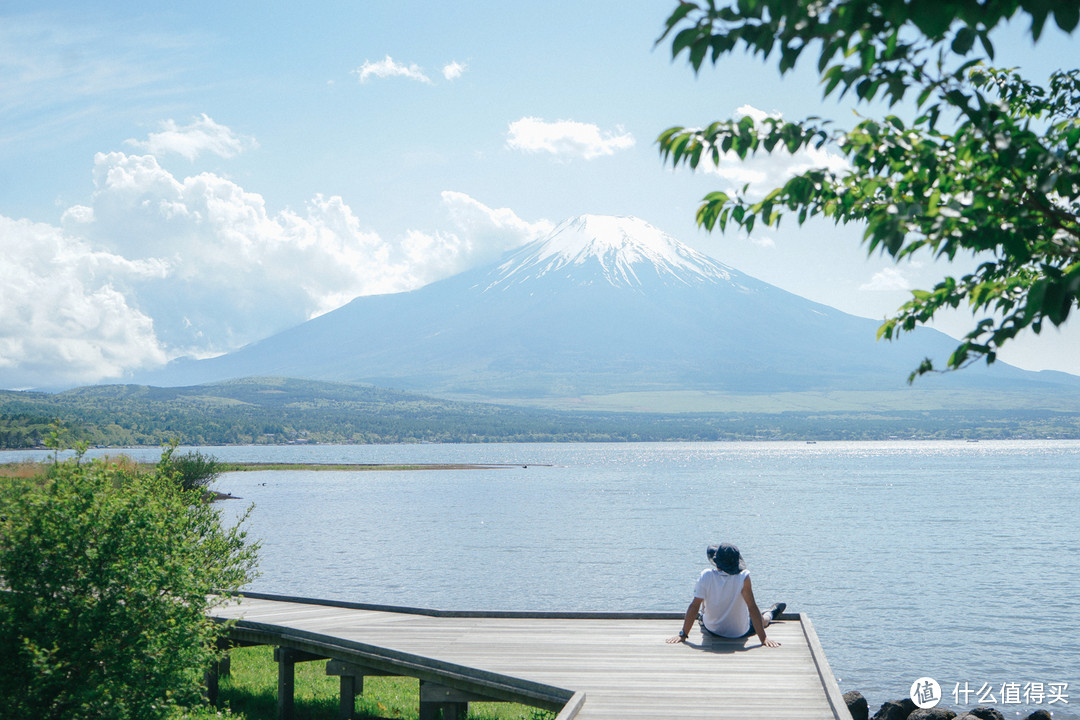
954,560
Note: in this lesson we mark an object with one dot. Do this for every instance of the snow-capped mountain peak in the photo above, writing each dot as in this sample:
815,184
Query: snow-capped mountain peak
624,251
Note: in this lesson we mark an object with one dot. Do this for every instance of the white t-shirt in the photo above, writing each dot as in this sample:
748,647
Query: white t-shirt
724,611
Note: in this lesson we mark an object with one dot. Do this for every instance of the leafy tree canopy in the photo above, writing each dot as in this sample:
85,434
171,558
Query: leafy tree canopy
107,573
989,166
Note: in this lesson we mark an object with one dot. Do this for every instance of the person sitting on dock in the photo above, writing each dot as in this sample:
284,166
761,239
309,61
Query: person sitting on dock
730,610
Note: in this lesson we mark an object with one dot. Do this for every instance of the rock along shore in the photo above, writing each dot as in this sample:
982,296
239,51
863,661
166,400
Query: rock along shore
906,710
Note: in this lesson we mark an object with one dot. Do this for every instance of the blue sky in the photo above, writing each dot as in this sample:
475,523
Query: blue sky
183,179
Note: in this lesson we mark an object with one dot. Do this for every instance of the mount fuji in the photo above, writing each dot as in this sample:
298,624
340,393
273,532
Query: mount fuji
601,305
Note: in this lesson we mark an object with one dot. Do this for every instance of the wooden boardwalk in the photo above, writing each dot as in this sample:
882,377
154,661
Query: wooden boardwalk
592,666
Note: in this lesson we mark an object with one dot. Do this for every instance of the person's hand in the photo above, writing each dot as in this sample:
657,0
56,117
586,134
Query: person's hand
676,639
770,643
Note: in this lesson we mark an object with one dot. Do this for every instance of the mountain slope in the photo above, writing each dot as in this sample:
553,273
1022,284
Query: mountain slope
601,305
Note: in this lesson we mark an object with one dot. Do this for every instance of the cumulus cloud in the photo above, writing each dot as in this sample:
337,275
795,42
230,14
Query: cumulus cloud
190,141
156,266
488,232
765,171
63,319
453,70
386,68
474,234
566,138
499,227
886,280
236,271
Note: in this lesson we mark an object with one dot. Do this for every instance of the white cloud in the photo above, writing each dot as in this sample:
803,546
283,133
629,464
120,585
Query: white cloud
77,214
155,266
453,70
566,138
502,227
765,171
486,231
237,272
190,141
476,234
753,113
62,318
886,280
388,68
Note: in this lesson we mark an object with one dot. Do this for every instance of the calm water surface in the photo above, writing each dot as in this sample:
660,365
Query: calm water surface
954,560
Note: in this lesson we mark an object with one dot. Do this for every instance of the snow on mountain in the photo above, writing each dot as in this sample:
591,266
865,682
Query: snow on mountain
627,252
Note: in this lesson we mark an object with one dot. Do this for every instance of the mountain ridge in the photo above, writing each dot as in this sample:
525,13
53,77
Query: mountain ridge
601,305
284,410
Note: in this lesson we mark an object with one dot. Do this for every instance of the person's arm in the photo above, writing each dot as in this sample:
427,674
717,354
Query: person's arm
688,621
755,615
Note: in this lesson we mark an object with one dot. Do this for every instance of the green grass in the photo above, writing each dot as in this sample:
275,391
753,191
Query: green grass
250,692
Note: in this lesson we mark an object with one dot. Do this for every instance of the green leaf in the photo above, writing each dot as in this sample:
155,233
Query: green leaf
684,39
963,41
1067,15
695,155
697,52
684,9
1038,20
832,78
932,17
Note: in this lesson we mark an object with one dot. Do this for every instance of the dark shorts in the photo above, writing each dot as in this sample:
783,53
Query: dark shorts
709,633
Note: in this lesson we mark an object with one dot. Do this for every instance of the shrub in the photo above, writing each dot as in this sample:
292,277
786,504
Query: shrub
107,575
193,470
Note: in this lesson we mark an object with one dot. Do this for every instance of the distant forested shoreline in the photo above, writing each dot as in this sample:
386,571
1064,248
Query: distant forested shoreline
276,411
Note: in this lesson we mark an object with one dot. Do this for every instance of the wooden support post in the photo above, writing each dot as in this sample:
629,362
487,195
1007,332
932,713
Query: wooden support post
352,684
347,701
286,658
286,682
212,684
224,666
219,669
434,698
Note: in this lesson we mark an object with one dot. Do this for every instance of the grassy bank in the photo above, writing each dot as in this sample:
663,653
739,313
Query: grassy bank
250,692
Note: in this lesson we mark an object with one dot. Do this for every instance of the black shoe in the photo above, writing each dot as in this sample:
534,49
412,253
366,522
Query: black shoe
776,610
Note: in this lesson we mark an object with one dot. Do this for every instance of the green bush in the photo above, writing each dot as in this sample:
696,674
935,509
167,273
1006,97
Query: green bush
107,574
193,470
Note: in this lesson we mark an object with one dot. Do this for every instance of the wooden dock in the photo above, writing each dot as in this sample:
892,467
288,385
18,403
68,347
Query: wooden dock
592,666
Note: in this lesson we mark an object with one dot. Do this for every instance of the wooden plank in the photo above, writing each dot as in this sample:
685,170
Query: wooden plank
572,708
832,689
